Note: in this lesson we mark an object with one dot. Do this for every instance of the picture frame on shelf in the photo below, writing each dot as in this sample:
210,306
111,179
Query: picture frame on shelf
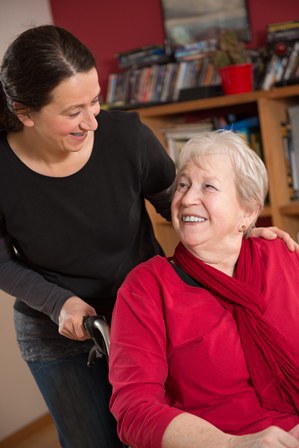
189,22
177,136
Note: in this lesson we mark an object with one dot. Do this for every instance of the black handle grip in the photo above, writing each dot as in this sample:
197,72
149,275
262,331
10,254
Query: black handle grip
88,322
98,330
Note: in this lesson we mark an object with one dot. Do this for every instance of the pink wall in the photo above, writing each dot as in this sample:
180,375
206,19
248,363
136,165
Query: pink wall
262,12
109,26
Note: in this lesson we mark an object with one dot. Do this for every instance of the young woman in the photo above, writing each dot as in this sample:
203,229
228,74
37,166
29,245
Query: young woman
73,221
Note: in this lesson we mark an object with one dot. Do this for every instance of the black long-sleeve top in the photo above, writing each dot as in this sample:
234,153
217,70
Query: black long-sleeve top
81,234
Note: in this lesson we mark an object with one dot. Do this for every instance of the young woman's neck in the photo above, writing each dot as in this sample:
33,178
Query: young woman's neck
45,159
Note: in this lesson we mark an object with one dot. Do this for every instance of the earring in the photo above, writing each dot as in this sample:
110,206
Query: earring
242,228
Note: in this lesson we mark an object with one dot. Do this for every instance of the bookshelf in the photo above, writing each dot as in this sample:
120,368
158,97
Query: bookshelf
271,108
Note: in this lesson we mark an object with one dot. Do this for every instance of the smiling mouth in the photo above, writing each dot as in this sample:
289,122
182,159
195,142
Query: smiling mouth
192,219
78,134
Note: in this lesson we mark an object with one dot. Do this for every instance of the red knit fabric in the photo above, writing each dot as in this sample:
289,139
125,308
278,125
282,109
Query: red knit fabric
273,367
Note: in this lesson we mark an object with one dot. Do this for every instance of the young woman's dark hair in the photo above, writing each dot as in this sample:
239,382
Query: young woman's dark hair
33,65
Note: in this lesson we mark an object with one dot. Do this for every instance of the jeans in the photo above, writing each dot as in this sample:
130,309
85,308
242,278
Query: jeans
77,397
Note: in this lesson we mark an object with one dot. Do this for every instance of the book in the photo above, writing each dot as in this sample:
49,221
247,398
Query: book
146,55
122,87
134,84
283,31
159,84
195,50
179,80
255,142
209,74
275,71
283,54
283,26
289,160
202,73
170,74
143,85
293,115
292,62
152,84
111,89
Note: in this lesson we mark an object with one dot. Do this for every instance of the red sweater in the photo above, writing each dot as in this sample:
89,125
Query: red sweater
175,349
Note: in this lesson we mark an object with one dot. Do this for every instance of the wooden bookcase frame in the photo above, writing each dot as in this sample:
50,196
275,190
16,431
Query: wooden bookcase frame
271,107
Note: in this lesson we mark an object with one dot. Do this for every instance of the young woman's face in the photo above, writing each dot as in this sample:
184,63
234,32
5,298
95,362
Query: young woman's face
206,212
65,123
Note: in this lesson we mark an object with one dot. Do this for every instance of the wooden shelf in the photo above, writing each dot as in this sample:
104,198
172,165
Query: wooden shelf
284,92
290,209
271,107
201,104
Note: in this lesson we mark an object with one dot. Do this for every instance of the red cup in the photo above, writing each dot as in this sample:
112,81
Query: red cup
237,78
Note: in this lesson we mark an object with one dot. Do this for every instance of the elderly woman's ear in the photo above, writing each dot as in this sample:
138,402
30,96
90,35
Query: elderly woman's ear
249,220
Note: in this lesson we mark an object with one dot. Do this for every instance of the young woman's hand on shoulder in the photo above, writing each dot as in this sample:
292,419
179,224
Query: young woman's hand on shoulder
271,233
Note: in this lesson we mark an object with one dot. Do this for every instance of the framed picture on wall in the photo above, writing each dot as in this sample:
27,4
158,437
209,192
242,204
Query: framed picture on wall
190,21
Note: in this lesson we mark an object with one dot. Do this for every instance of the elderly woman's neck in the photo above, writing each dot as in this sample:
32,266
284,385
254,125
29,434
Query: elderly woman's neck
222,257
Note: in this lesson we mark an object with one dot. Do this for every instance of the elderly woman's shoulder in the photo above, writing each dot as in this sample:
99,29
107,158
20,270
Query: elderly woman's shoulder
148,273
154,265
276,247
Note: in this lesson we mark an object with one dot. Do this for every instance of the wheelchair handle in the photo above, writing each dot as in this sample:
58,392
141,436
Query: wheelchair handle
95,325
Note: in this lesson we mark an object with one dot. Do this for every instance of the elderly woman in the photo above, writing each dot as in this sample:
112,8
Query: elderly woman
205,345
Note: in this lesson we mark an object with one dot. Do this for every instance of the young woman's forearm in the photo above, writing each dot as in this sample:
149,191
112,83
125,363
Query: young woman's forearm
28,285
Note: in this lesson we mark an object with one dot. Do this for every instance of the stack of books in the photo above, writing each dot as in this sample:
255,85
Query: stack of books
283,64
161,83
138,57
195,50
290,139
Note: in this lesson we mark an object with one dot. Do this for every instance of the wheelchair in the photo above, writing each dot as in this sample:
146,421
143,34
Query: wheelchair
99,331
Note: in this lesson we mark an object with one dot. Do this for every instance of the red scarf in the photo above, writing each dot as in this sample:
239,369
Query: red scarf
272,365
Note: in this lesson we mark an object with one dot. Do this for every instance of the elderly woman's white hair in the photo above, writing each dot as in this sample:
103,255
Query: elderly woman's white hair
250,174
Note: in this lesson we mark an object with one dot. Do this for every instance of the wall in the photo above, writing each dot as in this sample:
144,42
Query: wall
20,399
107,27
262,12
16,16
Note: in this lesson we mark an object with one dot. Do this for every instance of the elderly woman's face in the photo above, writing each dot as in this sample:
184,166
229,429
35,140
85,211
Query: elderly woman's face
206,213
